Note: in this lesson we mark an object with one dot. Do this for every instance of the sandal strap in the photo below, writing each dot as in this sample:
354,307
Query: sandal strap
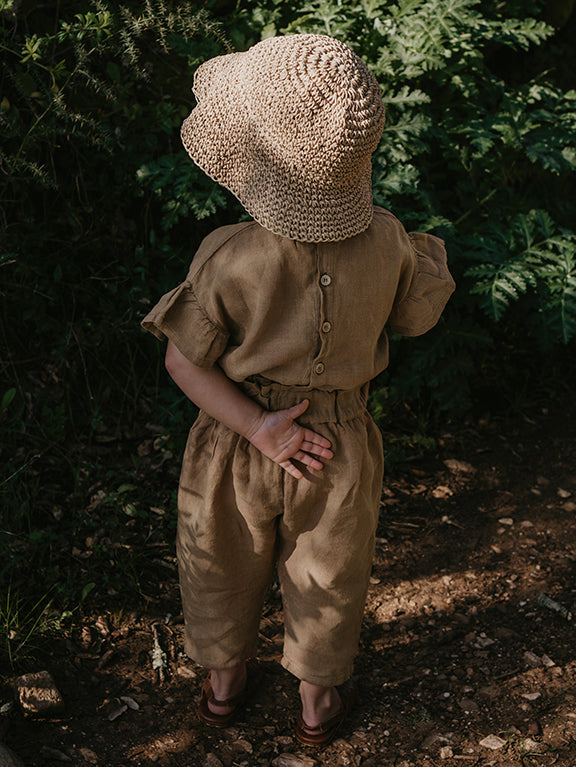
228,703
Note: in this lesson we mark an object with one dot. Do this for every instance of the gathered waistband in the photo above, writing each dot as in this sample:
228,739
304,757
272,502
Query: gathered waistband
325,406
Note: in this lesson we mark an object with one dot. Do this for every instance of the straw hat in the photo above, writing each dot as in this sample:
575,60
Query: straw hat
289,127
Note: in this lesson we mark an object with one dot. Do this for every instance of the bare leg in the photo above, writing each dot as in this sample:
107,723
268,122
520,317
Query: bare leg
319,704
226,683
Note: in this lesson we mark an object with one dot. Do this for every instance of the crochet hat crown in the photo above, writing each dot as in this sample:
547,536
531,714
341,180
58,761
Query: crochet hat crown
289,127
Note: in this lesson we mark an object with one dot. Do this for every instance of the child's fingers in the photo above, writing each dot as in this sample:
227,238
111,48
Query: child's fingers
315,449
291,469
317,439
308,460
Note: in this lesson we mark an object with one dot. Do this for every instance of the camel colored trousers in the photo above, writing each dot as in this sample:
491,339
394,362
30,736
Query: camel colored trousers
240,515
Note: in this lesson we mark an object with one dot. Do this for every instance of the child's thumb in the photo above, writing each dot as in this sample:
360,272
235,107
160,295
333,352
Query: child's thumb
296,410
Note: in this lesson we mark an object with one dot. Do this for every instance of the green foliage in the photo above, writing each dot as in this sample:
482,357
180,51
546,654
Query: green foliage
472,154
538,256
101,211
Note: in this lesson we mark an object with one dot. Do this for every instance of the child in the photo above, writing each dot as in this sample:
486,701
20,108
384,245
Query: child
275,335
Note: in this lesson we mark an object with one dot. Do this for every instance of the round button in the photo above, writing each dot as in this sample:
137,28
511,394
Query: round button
325,280
326,327
319,368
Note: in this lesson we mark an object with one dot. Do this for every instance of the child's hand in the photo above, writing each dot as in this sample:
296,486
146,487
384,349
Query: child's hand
279,437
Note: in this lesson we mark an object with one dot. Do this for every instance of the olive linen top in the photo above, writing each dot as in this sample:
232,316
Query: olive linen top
308,315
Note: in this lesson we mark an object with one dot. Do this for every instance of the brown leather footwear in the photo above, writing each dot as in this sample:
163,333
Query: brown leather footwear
323,733
254,674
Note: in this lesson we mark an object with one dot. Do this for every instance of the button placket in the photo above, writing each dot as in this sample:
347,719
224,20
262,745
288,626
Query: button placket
325,281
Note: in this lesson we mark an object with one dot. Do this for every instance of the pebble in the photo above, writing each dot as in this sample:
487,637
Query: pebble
291,760
533,660
185,672
243,745
446,752
212,761
88,755
456,466
530,745
493,742
115,709
531,695
38,694
130,702
469,706
506,521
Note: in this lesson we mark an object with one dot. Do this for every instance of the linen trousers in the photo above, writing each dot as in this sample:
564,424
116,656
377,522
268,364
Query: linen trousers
240,515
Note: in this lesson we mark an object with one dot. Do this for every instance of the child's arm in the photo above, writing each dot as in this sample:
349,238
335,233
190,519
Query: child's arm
275,434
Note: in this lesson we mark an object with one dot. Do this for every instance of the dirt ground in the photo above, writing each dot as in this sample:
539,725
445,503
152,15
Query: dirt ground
460,664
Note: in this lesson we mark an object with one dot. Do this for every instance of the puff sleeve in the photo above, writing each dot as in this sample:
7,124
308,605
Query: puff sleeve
180,317
428,291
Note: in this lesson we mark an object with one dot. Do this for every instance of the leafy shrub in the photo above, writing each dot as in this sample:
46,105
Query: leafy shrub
101,209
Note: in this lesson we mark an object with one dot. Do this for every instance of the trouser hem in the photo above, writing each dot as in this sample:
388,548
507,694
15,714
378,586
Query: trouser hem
216,660
323,678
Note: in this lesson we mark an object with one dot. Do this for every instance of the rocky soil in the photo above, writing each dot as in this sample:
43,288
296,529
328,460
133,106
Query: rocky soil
463,662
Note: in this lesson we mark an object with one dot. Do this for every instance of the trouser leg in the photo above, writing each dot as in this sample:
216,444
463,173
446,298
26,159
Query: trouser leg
226,546
325,559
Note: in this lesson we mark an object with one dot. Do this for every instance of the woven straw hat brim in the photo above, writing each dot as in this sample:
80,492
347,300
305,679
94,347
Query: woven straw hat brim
272,127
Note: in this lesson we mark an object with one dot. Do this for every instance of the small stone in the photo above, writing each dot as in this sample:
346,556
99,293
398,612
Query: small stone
38,694
88,755
530,745
526,523
493,742
115,709
469,706
508,521
446,752
185,672
212,760
531,659
429,740
456,466
564,493
284,740
482,642
531,695
569,506
243,745
291,760
130,702
442,492
547,661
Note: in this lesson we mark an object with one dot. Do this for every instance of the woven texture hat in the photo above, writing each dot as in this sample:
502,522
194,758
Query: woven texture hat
289,128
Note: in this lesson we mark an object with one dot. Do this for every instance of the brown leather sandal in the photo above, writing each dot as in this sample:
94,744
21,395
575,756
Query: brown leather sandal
321,734
254,674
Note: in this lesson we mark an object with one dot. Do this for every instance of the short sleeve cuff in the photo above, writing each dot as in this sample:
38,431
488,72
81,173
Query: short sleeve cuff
179,317
431,287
